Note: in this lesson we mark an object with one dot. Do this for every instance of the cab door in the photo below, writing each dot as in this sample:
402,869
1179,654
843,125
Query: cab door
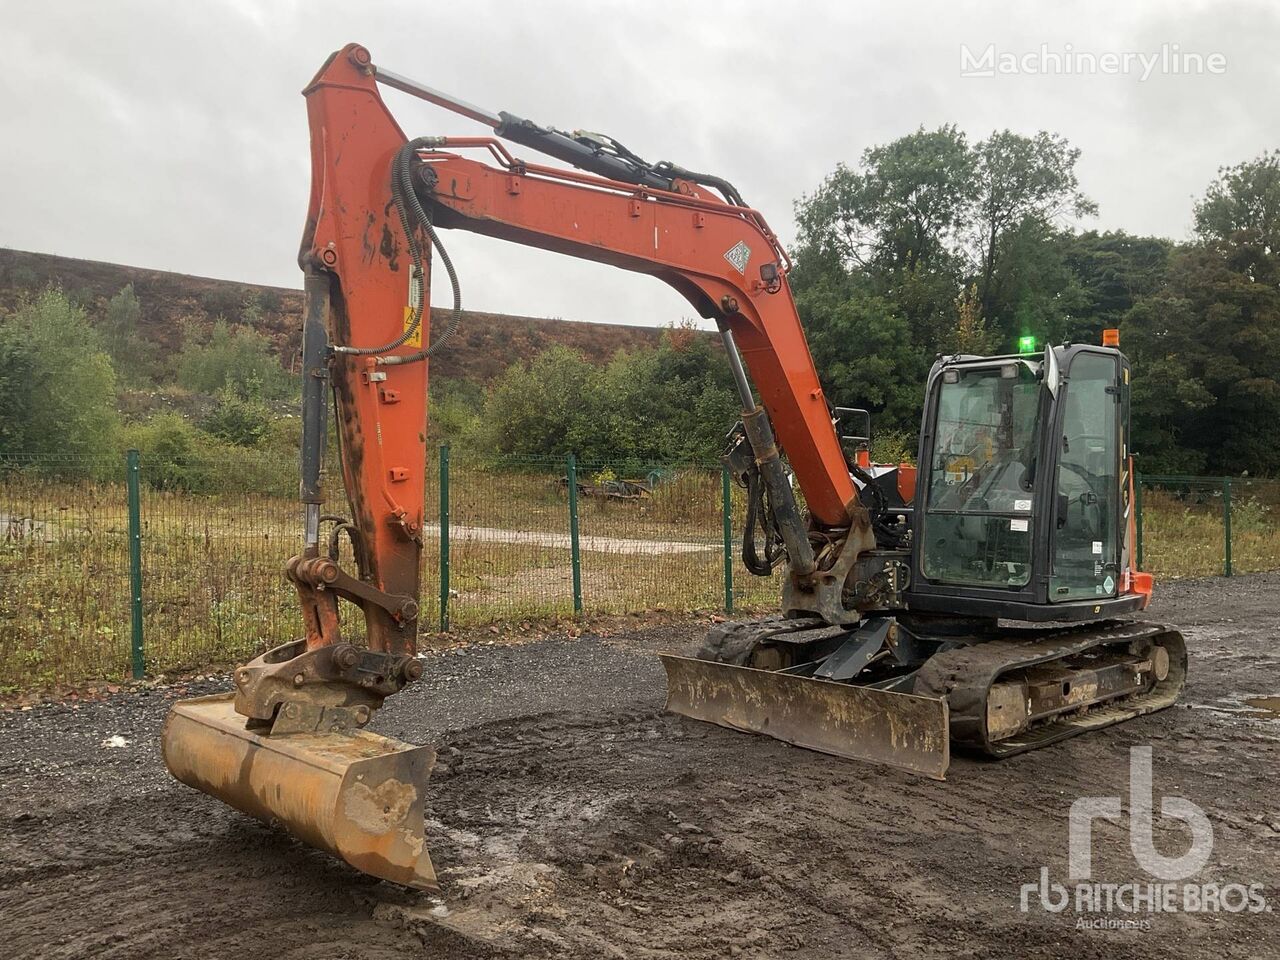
1086,536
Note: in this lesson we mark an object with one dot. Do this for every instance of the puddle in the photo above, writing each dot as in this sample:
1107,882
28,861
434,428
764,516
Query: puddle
1268,707
1256,708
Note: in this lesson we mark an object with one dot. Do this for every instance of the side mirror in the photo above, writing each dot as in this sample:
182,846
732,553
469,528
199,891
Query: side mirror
1052,374
853,424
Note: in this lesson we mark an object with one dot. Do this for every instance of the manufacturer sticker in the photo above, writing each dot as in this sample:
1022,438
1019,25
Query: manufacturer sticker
1018,526
738,255
1022,504
1109,584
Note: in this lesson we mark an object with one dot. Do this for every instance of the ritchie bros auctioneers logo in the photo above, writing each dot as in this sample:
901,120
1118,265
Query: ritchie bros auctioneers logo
1131,905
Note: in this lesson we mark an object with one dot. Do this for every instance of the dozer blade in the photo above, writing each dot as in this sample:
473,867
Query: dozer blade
352,793
896,729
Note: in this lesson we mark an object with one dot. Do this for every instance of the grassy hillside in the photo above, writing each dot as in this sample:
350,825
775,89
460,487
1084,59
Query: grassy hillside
486,345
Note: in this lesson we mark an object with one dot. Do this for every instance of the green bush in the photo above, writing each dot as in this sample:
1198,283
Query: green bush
171,449
283,437
242,421
178,456
57,386
455,410
669,403
237,358
893,447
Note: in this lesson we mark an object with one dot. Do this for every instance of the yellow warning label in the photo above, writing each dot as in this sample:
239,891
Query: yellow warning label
416,339
415,298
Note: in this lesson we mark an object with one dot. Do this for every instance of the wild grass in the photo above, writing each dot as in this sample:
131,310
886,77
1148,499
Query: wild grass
214,590
1183,530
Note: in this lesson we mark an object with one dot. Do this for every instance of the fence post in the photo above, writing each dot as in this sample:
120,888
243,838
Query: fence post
575,557
132,471
1226,526
1137,513
444,538
727,512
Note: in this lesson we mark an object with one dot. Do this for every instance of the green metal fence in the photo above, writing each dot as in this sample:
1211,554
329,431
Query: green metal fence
1201,526
113,568
116,568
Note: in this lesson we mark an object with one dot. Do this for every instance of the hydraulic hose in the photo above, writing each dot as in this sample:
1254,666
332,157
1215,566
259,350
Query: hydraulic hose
758,513
885,534
405,196
411,212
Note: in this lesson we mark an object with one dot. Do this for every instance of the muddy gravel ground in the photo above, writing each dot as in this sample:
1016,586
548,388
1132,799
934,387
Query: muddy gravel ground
570,817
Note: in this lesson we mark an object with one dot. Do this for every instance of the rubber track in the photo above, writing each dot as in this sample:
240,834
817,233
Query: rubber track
964,676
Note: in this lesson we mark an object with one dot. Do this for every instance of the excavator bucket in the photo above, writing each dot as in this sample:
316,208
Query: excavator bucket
353,793
896,729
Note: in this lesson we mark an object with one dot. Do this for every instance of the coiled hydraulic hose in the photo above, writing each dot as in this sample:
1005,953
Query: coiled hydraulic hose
886,535
411,213
760,515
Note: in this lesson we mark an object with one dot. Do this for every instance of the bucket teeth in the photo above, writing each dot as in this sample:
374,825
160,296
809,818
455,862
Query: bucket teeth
353,793
896,729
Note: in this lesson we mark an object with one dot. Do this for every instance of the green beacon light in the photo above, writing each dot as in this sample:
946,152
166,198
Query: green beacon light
1027,344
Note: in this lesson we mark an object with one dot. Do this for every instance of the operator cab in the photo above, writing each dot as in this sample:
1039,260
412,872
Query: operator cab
1021,502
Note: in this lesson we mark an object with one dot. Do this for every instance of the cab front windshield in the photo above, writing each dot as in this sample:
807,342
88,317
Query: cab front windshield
978,524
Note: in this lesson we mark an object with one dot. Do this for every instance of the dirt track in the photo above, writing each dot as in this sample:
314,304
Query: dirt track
572,818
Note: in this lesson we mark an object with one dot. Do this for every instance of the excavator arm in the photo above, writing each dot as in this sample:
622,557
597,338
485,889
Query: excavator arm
721,256
377,200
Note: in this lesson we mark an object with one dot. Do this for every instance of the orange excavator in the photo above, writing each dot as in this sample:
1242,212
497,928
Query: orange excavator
984,598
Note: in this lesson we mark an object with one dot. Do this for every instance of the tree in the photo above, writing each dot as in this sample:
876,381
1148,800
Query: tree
1206,345
1159,339
1019,179
1241,208
950,247
57,387
864,351
1035,291
238,419
18,364
971,335
673,402
879,273
898,212
1114,271
536,408
132,354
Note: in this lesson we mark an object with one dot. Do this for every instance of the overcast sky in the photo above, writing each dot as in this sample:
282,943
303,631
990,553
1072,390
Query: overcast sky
172,134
